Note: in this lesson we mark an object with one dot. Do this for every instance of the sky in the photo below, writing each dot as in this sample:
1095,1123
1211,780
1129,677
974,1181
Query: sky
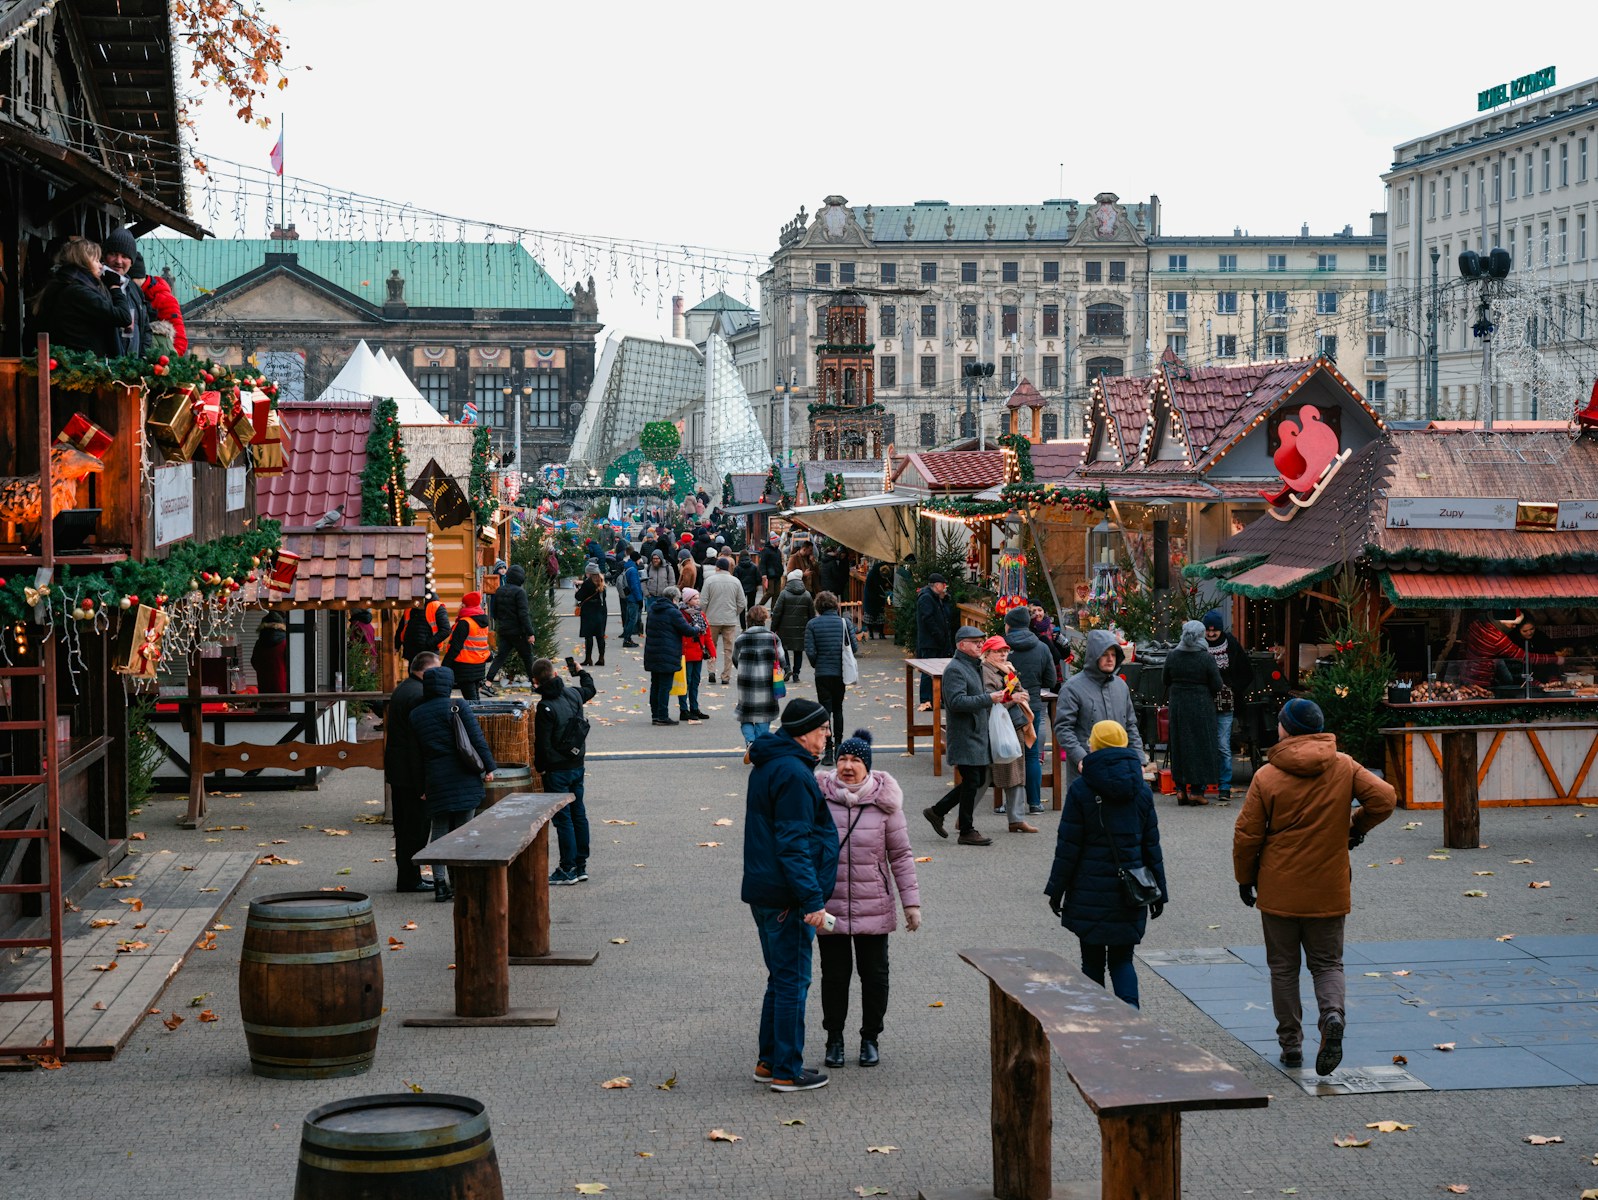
711,126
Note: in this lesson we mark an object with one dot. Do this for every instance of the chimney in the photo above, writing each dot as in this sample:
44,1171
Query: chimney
1348,231
1304,232
279,234
1237,231
1379,224
679,324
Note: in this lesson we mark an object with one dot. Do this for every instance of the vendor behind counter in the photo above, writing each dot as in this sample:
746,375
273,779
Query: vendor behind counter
1500,651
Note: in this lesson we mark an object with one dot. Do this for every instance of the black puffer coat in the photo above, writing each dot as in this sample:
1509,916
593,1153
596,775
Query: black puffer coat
81,313
510,605
450,786
663,635
790,614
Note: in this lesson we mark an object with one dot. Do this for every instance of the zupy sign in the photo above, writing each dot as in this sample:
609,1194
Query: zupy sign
1578,514
1515,89
1450,512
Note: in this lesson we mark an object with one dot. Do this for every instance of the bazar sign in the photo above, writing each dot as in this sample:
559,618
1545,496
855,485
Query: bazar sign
1515,89
1451,512
1578,514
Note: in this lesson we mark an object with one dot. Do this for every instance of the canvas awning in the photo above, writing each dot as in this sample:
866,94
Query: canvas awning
1269,581
749,510
880,526
1429,589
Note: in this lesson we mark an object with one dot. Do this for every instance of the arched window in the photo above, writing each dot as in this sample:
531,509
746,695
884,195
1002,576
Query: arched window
1097,368
829,387
848,385
1106,320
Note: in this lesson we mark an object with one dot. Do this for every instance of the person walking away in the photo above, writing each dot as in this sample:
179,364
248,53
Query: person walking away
83,305
560,744
1237,677
592,613
270,657
790,869
454,790
755,656
512,623
632,600
687,570
468,651
695,650
867,807
551,569
1290,855
790,614
1109,823
1095,693
663,652
772,576
934,622
723,602
1192,683
874,605
968,706
425,627
748,576
404,772
1033,665
826,634
1009,777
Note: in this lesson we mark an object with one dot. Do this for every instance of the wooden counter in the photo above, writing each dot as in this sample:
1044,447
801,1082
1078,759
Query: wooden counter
1517,764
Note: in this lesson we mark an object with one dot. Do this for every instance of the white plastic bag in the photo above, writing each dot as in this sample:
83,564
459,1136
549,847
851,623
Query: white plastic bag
1003,743
851,669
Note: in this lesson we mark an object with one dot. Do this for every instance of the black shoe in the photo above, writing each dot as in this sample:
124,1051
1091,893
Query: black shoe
970,837
699,716
1331,1053
808,1081
868,1052
1292,1059
835,1054
443,893
935,818
686,716
424,885
712,677
663,721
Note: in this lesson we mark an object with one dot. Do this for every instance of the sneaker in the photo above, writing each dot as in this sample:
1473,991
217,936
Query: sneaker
580,875
762,1072
1036,812
699,716
1292,1059
935,818
487,689
684,717
561,877
808,1081
970,837
1331,1053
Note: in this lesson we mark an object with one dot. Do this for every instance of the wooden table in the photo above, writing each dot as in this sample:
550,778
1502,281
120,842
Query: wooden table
932,667
499,867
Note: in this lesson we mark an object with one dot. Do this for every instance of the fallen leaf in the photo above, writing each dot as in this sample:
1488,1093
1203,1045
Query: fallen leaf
408,925
208,1016
173,1021
1348,1141
1590,1193
1438,857
223,928
936,1004
215,828
103,923
336,832
1538,1140
415,1087
1522,862
881,1149
591,1189
1543,884
342,871
1212,926
721,1135
199,1000
1395,862
709,845
621,1081
1444,1045
272,860
668,1085
1388,1126
1411,824
927,858
1459,1189
129,946
644,1153
1504,937
240,828
1481,872
618,941
1400,1061
1474,892
210,889
862,1190
135,837
793,1121
134,903
1373,974
722,821
117,883
614,821
395,944
47,1061
1400,973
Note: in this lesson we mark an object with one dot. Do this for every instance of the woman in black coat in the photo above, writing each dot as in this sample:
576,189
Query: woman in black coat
591,613
879,586
1193,682
1108,799
454,792
81,307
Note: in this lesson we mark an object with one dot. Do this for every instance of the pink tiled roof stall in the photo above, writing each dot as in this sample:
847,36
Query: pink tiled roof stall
326,455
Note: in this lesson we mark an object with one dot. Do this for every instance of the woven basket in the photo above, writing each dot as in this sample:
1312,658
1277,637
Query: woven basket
507,734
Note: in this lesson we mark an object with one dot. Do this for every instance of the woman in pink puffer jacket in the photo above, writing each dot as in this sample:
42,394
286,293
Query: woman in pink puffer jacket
868,808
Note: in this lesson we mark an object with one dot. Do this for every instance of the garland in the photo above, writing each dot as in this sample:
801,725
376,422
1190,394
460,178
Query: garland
864,410
1014,495
660,441
726,490
532,495
85,371
384,499
832,489
480,488
1021,448
774,487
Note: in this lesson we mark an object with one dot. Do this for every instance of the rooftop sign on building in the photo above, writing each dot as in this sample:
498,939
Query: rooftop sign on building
1515,89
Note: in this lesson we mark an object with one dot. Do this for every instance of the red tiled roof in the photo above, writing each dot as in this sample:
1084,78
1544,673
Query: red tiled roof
1218,403
1424,589
959,470
1053,462
1024,395
361,566
326,455
1127,400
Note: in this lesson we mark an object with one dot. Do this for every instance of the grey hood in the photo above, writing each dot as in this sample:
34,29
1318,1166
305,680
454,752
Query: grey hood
1100,640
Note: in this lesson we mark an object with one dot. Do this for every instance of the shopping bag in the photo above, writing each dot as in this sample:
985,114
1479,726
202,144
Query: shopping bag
851,669
1003,744
679,681
779,680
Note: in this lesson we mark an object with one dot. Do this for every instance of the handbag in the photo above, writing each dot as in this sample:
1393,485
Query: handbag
1137,883
779,677
1004,746
851,669
679,681
1224,701
465,751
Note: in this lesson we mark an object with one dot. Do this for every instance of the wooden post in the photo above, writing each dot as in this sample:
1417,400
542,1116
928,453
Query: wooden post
1023,1114
1140,1155
937,725
529,899
910,705
196,811
482,965
1461,811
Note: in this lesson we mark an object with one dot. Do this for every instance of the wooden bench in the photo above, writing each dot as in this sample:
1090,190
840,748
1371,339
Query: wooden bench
499,867
1136,1077
932,667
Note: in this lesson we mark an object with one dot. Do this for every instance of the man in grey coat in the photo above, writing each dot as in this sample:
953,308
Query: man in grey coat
1033,664
1095,693
968,705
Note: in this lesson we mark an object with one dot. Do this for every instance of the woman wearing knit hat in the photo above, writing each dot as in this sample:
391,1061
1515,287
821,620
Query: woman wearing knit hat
1193,681
874,842
1010,776
695,650
592,613
1108,823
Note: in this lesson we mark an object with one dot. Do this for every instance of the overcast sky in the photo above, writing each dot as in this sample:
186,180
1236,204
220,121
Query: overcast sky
712,124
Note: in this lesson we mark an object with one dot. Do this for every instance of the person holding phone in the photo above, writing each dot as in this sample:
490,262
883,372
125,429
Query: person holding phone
560,745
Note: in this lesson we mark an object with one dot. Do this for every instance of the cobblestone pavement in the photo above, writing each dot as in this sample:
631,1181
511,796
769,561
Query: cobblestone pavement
178,1114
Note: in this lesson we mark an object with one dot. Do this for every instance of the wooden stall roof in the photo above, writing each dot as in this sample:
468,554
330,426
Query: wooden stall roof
360,566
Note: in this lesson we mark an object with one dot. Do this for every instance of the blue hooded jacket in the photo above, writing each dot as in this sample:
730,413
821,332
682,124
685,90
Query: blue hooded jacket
450,787
790,838
632,588
1084,869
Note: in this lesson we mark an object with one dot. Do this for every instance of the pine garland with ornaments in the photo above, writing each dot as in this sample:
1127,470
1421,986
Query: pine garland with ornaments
384,490
480,488
85,371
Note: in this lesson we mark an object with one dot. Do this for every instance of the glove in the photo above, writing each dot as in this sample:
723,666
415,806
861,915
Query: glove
1057,904
1354,839
1156,909
1245,893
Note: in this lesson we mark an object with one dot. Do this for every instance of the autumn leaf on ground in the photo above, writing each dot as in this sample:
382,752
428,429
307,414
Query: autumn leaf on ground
134,903
1534,1139
881,1149
1522,862
415,1087
342,871
927,858
1348,1141
408,925
591,1189
1444,1045
395,944
208,1016
1411,824
644,1153
1388,1126
936,1004
48,1061
135,837
793,1121
668,1085
173,1021
621,1081
272,860
336,832
721,1135
1373,974
1459,1189
223,928
709,845
614,821
1400,1061
1474,892
1400,973
103,923
618,941
128,947
869,1191
1481,872
1504,937
99,1006
1543,884
1395,862
196,1001
722,821
1438,857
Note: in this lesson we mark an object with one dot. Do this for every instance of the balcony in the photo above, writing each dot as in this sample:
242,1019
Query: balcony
1375,366
1278,321
1176,320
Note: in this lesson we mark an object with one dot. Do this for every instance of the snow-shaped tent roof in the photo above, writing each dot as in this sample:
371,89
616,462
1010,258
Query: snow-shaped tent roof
367,376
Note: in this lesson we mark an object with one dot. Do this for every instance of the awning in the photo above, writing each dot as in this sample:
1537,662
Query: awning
1269,581
880,526
749,510
364,566
1220,568
1427,589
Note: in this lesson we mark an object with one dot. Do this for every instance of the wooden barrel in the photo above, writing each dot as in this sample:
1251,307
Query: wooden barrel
311,985
507,734
508,778
420,1146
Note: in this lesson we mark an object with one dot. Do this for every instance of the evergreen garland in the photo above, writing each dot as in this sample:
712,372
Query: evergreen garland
384,499
774,487
1022,449
1018,494
832,489
480,488
85,371
726,490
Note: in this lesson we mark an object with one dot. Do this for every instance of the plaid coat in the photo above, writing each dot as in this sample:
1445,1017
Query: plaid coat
754,655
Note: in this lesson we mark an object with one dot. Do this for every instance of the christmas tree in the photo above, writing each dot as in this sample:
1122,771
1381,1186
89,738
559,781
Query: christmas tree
383,498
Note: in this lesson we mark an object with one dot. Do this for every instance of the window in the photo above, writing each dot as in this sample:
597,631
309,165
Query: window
1376,262
1176,343
888,321
846,273
888,273
1176,309
1106,320
434,386
1051,426
1498,182
1276,303
968,320
1117,272
543,405
1276,262
1564,241
1376,389
1529,188
1581,235
1543,232
1226,345
929,429
1007,369
1225,303
1376,304
1176,262
1326,345
1376,345
1226,262
1564,164
1051,320
1051,272
1512,178
1511,243
821,321
929,370
967,361
1325,303
929,272
1581,160
1092,272
1051,371
1326,262
929,320
1431,198
1098,368
1010,272
1548,169
490,398
823,272
888,371
890,426
1010,319
1275,345
1464,190
1448,196
968,272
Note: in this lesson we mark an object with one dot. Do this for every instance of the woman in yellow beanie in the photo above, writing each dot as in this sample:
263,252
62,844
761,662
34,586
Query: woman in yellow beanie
1108,800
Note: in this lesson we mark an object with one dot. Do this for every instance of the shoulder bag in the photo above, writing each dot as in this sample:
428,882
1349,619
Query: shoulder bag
1137,883
465,752
851,669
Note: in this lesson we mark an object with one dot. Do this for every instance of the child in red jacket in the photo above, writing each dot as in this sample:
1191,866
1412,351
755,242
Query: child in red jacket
694,651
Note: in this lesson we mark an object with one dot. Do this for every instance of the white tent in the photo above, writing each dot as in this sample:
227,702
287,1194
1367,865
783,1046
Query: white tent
367,376
881,526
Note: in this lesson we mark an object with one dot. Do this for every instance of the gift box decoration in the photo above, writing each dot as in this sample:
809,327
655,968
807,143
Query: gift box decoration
239,427
172,419
259,406
272,454
85,435
138,651
280,579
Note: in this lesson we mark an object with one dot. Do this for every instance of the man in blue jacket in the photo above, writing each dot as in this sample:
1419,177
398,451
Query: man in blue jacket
632,599
790,867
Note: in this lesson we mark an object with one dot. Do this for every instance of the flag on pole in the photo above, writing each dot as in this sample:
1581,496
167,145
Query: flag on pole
277,155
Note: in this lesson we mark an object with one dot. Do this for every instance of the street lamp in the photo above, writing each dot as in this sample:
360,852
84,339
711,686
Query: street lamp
974,373
511,398
1431,344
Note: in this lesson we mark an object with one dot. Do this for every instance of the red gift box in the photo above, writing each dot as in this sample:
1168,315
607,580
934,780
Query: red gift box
85,435
280,580
259,406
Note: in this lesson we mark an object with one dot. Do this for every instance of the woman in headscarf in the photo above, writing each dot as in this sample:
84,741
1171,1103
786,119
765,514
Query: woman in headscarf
1193,681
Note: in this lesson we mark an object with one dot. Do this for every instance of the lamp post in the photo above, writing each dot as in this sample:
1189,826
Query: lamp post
786,391
974,374
512,397
1431,344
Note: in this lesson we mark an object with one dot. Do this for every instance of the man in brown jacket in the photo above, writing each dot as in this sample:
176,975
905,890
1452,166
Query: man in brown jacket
1291,843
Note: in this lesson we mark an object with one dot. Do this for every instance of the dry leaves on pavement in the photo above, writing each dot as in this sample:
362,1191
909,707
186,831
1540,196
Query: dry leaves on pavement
173,1021
668,1085
1348,1141
208,1016
1534,1139
1444,1045
621,1081
1543,884
722,821
721,1135
1388,1126
591,1189
1474,892
881,1149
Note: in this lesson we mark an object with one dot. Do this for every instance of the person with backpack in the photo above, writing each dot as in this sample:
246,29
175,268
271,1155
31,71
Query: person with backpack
513,623
468,650
444,727
560,743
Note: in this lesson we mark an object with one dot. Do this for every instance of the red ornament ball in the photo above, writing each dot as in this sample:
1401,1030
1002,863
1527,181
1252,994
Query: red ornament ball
158,369
87,605
54,364
163,360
